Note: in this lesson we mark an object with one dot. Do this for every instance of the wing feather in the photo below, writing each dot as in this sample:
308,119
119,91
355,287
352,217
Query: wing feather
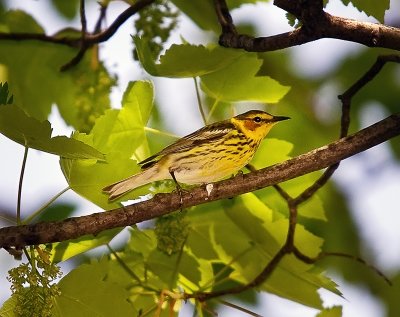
207,134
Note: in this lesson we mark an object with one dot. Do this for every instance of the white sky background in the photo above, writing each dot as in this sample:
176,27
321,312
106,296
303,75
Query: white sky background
371,180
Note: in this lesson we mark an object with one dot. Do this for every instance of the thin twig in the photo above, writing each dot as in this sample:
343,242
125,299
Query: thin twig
21,180
322,255
282,192
359,260
346,99
110,31
102,16
369,75
224,17
86,40
83,46
319,183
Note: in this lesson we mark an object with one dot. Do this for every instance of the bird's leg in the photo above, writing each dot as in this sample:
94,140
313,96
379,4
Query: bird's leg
178,189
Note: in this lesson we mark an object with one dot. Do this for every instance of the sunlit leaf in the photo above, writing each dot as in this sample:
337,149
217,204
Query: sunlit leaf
62,251
8,307
85,291
178,59
239,82
27,131
371,7
120,135
243,234
272,151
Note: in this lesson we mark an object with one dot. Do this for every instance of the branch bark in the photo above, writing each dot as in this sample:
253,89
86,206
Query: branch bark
90,39
316,24
161,204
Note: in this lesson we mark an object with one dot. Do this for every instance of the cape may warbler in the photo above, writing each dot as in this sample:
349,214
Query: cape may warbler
215,151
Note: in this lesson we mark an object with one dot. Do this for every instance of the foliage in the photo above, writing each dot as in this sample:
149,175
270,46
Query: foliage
207,248
4,95
155,23
33,287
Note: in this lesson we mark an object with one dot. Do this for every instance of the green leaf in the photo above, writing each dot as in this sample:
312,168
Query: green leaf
18,21
81,93
62,251
27,131
203,12
169,268
120,134
371,7
30,66
85,291
5,99
272,151
200,12
226,74
239,82
142,241
335,311
161,270
178,60
93,85
7,310
68,9
123,130
246,237
56,212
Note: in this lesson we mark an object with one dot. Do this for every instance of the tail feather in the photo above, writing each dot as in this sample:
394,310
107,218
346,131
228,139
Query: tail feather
124,186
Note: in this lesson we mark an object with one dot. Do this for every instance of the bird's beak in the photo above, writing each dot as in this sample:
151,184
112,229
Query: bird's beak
279,118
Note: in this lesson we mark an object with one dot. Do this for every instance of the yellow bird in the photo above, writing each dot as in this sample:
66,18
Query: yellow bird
209,154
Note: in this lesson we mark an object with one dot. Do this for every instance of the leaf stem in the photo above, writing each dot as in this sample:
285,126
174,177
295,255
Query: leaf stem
203,115
214,281
155,131
42,208
242,309
214,106
128,270
21,179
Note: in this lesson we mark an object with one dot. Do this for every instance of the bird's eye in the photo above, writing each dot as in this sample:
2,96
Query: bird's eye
257,119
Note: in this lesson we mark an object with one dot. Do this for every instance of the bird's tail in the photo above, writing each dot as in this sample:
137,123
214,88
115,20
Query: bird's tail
124,186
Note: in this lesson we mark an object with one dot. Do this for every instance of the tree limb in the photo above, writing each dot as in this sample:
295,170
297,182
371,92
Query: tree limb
90,39
316,24
161,204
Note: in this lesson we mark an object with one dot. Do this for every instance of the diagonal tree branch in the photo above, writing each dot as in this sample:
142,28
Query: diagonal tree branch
90,39
316,24
161,204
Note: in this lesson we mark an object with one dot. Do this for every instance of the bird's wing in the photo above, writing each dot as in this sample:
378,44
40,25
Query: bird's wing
207,134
